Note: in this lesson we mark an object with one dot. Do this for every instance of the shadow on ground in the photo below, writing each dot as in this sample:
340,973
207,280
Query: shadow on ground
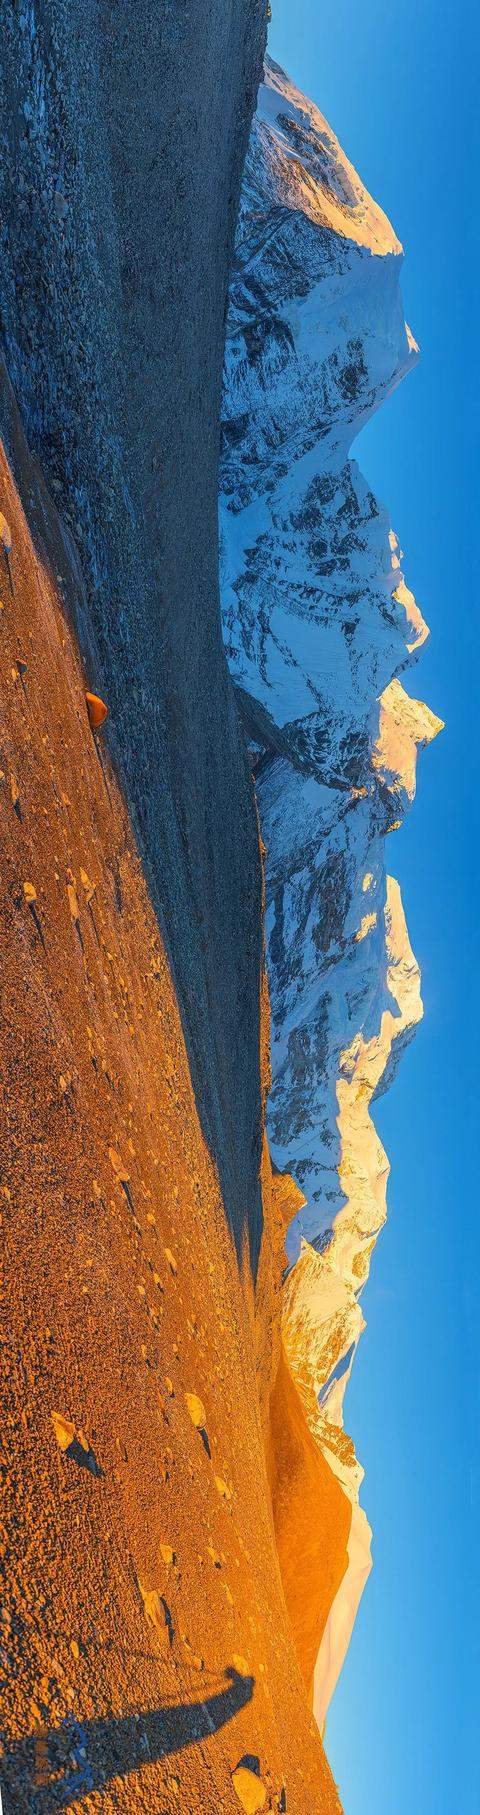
57,1767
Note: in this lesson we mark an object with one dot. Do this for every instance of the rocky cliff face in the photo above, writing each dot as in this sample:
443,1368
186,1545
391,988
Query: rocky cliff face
318,625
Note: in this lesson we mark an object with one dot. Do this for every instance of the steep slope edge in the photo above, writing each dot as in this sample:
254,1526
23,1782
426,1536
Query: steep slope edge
318,622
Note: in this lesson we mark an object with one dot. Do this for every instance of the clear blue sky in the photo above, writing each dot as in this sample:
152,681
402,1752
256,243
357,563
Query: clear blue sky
399,84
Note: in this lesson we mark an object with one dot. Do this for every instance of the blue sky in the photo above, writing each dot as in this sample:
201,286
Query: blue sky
399,86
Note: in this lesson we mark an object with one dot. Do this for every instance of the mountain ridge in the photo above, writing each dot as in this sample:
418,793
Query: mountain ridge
319,624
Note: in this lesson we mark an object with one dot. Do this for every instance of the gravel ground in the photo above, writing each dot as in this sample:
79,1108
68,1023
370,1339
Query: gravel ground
145,1644
123,140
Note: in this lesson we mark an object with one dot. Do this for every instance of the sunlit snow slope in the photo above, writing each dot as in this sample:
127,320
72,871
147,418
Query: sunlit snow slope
318,624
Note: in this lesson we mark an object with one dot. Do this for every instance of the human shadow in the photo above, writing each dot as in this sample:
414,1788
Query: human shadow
55,1768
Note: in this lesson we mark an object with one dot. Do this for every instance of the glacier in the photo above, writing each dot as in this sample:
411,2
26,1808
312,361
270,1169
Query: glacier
318,625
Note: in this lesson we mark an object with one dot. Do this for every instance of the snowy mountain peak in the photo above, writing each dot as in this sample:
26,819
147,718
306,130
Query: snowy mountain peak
309,168
318,625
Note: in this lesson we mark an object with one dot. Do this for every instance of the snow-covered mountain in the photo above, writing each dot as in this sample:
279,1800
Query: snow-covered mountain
318,625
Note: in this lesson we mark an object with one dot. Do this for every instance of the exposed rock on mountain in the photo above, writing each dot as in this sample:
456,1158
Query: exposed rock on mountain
318,624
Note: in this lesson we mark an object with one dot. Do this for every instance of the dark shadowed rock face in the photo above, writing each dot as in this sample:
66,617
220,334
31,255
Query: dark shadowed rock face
123,141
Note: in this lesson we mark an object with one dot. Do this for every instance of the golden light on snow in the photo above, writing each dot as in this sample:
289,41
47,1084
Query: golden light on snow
405,726
367,924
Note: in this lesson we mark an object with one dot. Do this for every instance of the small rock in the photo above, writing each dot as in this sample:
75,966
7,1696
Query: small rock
88,886
72,901
251,1792
196,1410
168,1554
60,205
5,534
222,1488
118,1166
158,1613
30,893
97,710
64,1430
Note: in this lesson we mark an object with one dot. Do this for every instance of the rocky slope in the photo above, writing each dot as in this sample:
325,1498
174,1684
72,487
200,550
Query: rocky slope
147,1414
318,624
115,249
147,1658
